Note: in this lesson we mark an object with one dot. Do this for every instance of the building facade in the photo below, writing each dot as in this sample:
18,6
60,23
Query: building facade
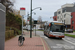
73,18
64,14
55,16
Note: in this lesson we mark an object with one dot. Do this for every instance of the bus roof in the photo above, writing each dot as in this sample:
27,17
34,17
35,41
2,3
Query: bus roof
53,22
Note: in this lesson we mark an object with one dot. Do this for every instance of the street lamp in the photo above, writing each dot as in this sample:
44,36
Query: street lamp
37,8
31,19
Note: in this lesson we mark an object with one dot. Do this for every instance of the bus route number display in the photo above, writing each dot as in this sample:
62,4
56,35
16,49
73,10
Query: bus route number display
58,23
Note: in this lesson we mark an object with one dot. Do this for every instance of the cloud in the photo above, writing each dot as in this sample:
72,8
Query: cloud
48,7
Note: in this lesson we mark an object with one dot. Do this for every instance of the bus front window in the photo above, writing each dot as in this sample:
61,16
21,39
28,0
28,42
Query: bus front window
57,28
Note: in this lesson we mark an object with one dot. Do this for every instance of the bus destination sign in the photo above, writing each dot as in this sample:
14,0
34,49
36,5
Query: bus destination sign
58,23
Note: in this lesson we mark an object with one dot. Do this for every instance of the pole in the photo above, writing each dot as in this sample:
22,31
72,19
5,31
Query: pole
31,21
27,20
22,25
35,30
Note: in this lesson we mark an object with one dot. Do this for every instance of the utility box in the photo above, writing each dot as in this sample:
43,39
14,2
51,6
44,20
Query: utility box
2,26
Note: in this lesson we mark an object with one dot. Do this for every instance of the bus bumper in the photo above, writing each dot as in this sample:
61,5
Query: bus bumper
56,36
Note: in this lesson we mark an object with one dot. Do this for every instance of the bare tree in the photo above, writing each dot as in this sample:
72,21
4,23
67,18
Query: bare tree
39,19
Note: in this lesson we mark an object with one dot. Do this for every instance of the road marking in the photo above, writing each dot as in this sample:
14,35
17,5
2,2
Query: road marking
44,37
63,46
43,43
68,38
71,38
68,41
47,44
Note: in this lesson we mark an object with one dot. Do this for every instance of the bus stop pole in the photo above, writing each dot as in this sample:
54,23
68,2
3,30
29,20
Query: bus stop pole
35,30
22,26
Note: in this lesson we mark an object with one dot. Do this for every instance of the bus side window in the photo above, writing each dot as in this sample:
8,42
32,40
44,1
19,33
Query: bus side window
44,28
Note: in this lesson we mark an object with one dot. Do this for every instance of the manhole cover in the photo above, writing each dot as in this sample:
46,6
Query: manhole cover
39,45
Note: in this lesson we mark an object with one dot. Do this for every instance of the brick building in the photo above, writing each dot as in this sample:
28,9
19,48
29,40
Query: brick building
64,15
73,18
55,16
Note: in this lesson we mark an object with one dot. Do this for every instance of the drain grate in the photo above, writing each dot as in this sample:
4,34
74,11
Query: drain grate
38,45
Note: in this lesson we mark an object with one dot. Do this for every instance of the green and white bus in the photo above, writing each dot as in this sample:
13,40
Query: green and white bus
54,29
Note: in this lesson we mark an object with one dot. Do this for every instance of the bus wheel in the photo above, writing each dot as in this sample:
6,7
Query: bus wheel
48,36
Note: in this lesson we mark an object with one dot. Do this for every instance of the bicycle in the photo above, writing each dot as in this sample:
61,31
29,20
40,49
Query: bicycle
21,40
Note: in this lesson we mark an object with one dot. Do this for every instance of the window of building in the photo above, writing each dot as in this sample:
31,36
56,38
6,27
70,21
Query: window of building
59,12
71,16
64,15
55,18
58,17
62,20
72,27
72,22
64,10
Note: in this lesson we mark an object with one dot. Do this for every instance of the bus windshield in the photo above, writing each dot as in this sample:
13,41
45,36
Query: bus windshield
57,28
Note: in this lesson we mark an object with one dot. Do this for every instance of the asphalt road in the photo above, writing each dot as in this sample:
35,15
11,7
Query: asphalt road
66,43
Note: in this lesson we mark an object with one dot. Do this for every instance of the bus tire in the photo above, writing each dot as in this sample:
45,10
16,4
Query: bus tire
48,36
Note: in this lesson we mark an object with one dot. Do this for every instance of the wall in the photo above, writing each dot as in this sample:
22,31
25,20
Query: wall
73,19
55,18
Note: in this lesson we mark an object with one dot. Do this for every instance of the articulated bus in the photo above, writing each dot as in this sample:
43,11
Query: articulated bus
54,29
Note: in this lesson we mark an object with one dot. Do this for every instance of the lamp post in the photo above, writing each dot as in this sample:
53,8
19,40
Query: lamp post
31,19
28,17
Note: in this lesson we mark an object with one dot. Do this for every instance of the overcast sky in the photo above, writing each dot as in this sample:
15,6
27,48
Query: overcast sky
48,7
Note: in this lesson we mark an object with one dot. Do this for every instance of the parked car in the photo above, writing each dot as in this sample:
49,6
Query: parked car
69,30
25,27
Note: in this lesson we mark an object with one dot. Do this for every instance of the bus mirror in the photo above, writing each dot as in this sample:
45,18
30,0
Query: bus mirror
49,25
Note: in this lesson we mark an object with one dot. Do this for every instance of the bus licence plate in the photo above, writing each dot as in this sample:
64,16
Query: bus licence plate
57,36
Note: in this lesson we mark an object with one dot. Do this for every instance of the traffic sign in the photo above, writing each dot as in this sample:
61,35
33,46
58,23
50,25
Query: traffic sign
22,11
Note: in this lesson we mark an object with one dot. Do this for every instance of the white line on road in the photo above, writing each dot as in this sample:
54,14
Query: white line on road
68,41
70,38
44,37
63,46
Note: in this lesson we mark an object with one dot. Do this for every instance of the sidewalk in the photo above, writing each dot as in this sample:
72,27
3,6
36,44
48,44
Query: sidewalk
34,43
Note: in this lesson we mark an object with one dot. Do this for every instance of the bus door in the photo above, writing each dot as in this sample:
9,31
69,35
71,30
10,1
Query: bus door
48,30
44,29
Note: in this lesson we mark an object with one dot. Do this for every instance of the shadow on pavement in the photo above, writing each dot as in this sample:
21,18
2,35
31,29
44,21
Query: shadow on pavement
55,38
